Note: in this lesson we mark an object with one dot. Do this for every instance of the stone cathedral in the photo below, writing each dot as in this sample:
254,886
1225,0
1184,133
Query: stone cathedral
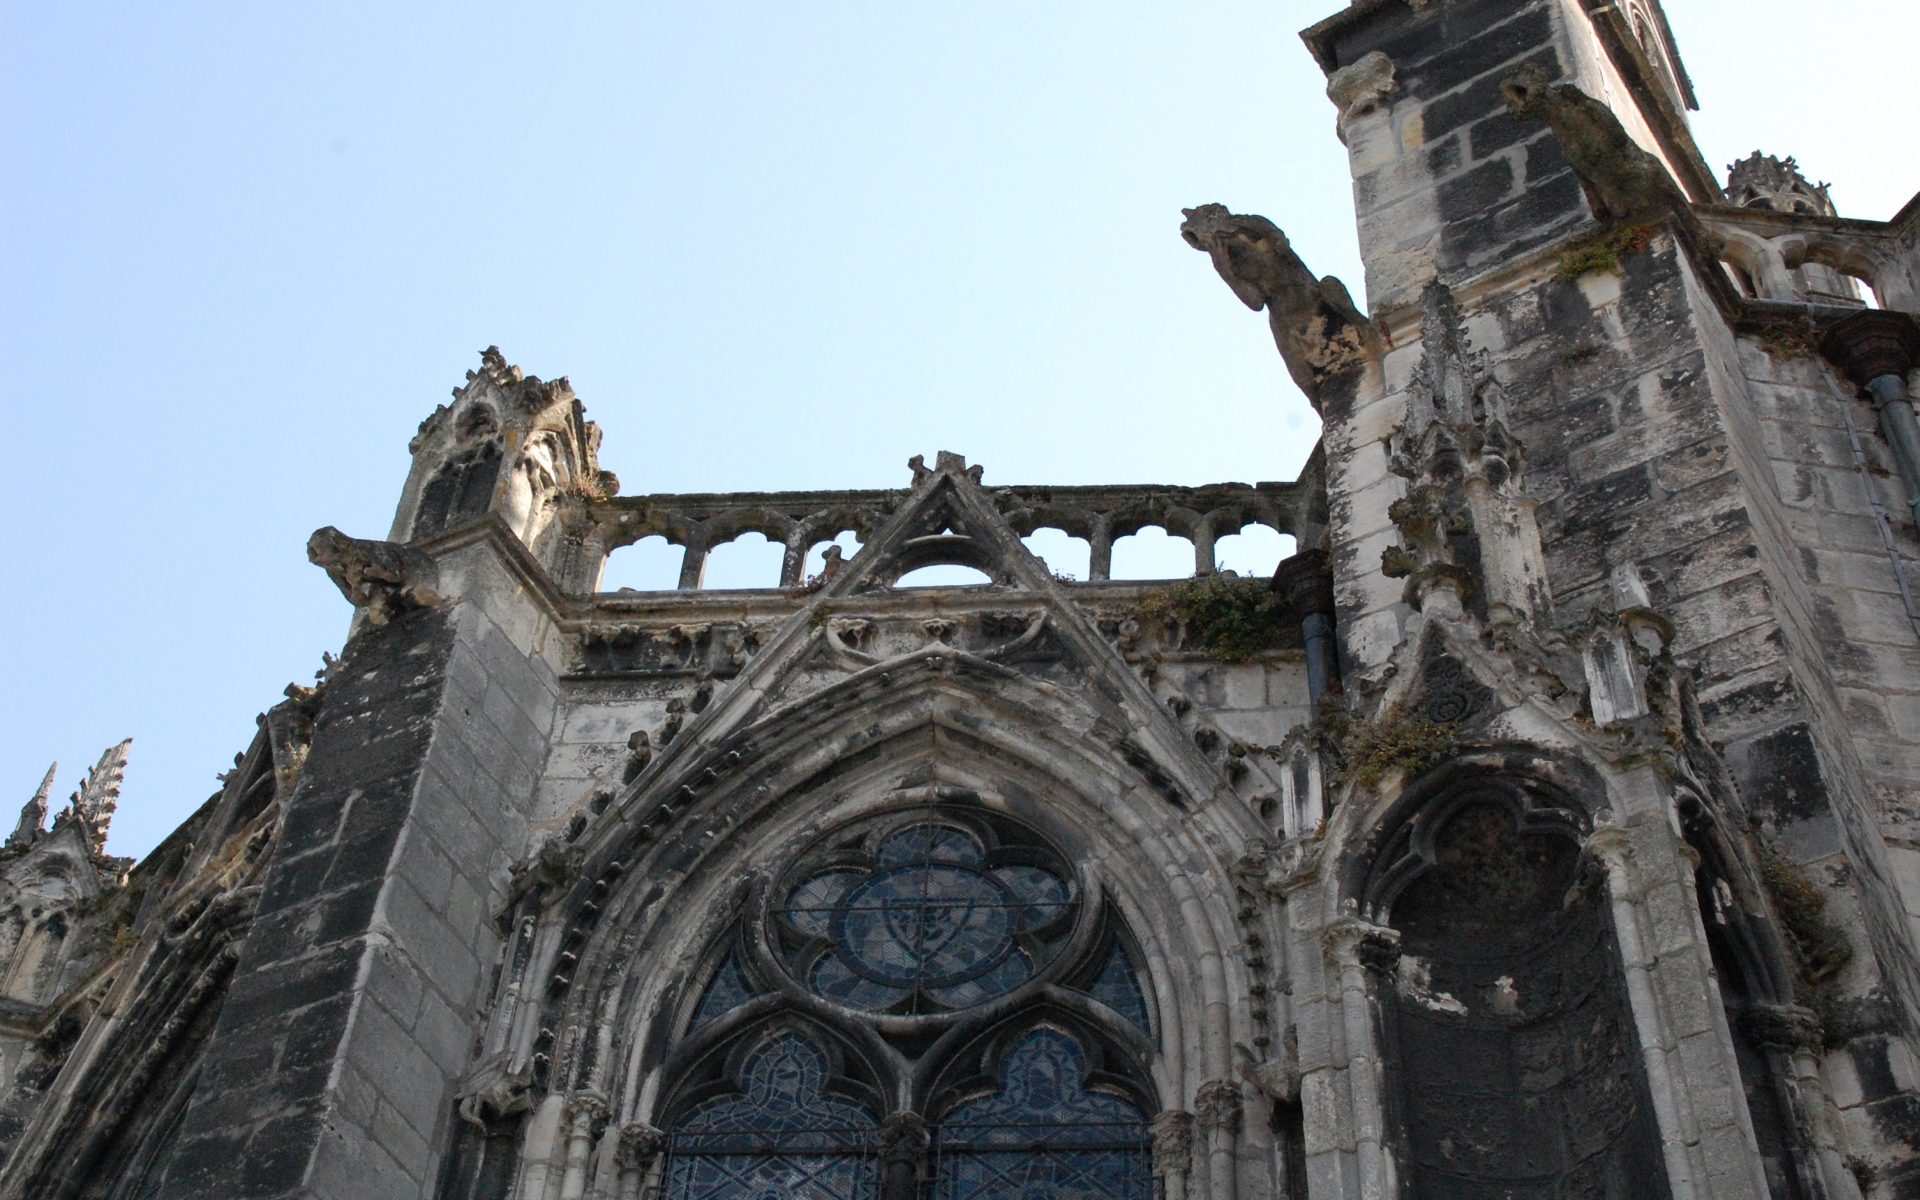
1546,827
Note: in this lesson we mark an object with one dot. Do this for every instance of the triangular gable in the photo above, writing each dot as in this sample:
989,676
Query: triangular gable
948,517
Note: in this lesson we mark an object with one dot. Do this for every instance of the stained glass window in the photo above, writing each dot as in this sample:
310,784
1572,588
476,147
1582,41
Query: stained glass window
1119,989
726,991
932,921
781,1137
1043,1135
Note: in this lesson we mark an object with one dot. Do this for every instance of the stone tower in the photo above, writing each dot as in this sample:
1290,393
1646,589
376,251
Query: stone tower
1545,827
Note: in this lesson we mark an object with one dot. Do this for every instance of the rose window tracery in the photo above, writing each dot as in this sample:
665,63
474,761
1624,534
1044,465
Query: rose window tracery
932,923
906,923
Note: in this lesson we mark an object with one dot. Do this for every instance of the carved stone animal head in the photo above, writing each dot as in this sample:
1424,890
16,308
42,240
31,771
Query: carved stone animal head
1526,91
1250,252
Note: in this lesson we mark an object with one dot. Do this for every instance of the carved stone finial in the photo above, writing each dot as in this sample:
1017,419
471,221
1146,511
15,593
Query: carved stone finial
33,815
386,579
99,794
1360,88
1763,181
1172,1141
1315,324
1622,181
1218,1105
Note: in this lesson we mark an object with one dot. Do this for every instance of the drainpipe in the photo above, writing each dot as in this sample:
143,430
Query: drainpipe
1876,349
1306,580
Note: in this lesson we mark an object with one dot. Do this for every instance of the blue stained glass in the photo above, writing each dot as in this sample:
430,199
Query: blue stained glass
1119,989
833,979
1043,1136
726,991
810,906
1044,893
781,1138
932,843
1011,973
930,919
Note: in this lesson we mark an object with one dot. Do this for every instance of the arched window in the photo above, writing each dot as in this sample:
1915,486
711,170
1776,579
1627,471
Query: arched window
876,959
777,1133
1043,1133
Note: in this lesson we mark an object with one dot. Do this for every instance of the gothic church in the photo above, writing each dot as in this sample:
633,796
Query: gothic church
1545,828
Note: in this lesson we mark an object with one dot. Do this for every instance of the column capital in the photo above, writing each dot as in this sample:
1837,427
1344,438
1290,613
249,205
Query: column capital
1172,1141
1218,1105
1351,942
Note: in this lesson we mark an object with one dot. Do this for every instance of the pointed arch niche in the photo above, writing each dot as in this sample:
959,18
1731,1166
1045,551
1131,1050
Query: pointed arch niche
1512,1065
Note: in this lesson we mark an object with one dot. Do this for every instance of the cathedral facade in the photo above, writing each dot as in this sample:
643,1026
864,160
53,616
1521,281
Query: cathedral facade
1546,827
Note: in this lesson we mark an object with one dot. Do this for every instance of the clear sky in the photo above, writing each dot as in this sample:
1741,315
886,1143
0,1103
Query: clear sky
246,248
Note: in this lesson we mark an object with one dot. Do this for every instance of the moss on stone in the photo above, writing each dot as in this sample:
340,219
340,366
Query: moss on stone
1366,752
1233,619
1820,948
1603,250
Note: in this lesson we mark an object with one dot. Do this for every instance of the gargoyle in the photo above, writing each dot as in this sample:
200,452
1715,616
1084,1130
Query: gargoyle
1318,330
387,578
1622,181
493,1090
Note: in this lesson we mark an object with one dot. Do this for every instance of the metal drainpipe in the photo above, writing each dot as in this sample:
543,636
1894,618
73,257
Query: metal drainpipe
1902,431
1306,579
1876,349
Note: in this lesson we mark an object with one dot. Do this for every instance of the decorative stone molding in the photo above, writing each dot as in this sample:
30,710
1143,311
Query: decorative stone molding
1350,942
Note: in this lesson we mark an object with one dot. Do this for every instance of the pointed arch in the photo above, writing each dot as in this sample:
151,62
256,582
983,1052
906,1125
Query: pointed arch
1047,757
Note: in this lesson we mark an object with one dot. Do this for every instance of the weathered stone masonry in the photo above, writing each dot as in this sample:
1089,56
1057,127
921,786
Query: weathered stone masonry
1546,828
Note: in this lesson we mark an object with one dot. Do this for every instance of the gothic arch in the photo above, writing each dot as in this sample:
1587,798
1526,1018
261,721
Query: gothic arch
1508,1038
685,856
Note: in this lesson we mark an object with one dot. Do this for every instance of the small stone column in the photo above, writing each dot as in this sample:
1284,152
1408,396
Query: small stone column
587,1112
1100,549
1353,948
903,1148
1611,846
1217,1107
1204,561
793,563
1172,1152
1789,1034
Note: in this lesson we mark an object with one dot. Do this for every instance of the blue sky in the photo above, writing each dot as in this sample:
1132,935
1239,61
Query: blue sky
245,249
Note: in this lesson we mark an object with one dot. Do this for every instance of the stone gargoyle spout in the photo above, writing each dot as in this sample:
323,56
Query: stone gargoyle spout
1315,324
